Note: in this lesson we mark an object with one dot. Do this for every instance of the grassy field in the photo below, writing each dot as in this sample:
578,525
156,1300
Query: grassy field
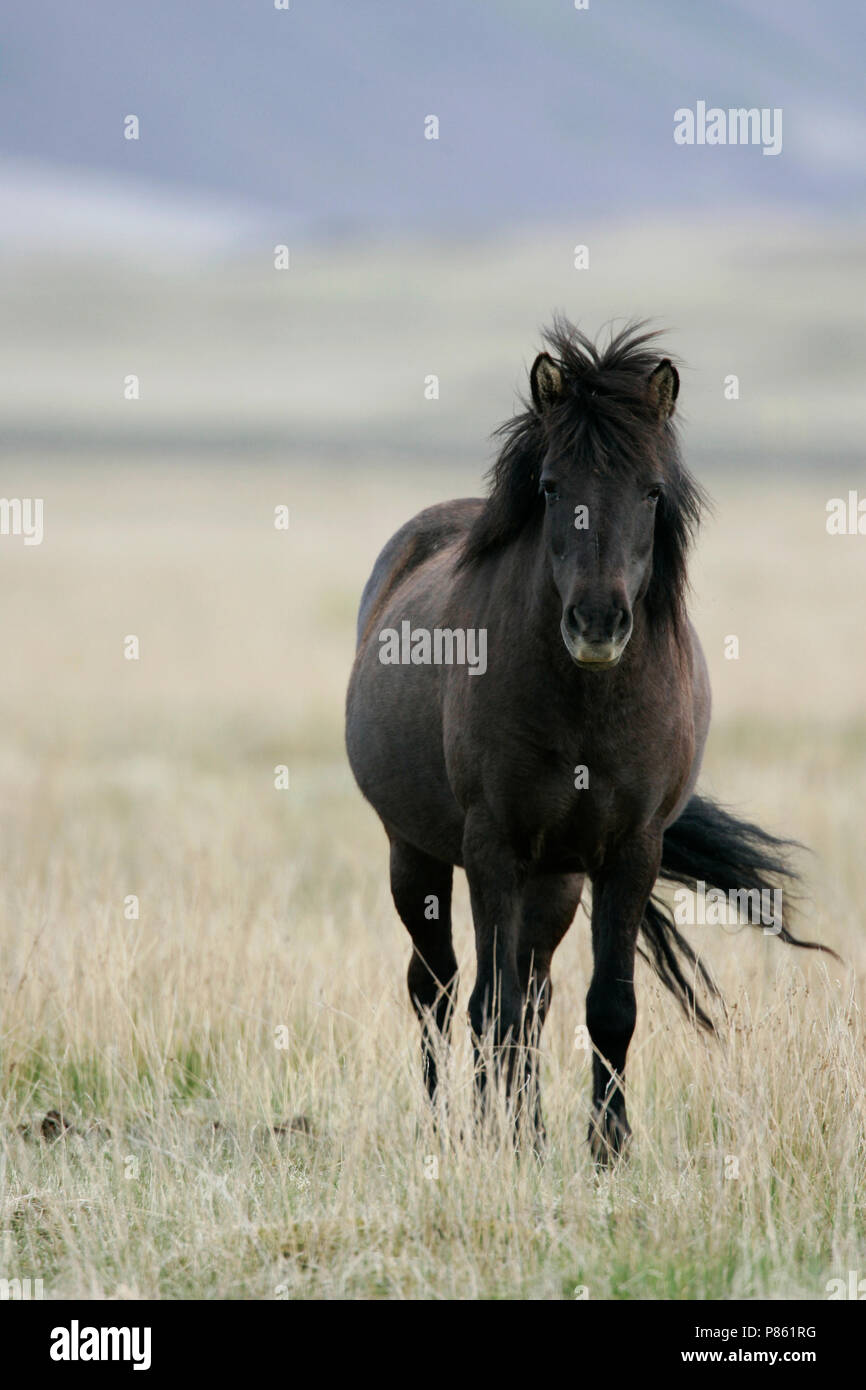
236,1068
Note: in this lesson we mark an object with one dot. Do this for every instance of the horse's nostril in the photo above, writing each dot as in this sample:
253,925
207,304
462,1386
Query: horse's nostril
597,624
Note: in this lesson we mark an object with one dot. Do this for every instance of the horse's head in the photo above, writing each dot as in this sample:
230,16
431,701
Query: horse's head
606,462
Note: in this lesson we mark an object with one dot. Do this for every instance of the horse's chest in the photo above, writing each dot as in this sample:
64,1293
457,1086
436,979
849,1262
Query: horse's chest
574,809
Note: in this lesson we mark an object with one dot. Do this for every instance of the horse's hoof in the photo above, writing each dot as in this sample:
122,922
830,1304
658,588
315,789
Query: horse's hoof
609,1138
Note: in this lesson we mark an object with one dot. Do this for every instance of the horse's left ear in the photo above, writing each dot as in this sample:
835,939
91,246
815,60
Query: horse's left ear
663,389
545,380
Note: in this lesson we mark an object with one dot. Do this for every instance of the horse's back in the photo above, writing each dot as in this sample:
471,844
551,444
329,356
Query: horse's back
416,541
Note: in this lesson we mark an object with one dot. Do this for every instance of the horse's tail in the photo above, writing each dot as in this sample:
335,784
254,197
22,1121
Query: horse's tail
709,846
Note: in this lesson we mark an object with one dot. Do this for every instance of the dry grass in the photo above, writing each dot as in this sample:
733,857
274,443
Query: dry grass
156,1039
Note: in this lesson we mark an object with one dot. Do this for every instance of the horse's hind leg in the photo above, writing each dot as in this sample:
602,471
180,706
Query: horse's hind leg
549,905
421,887
496,882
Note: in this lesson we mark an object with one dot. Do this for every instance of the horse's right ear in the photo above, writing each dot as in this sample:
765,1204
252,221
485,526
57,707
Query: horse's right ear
545,380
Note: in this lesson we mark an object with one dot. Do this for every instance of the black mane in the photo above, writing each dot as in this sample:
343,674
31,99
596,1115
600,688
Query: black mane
604,416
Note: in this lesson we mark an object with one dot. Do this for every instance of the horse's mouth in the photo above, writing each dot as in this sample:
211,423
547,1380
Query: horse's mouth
597,663
593,656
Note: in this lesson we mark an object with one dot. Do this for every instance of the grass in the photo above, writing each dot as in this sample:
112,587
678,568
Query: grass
235,1070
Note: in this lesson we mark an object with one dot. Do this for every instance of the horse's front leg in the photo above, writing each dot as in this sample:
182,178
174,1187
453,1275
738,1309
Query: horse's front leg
496,1005
549,904
619,897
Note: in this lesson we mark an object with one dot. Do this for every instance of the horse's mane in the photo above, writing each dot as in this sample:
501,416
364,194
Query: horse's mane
603,416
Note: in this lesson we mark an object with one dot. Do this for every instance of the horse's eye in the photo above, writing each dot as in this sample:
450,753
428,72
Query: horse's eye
549,489
654,494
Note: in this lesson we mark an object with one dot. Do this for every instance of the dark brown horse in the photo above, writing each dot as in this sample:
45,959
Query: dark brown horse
530,702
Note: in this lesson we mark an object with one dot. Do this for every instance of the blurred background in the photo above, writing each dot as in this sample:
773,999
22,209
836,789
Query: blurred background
305,127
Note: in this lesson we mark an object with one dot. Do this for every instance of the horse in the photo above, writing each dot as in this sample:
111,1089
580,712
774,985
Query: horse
572,750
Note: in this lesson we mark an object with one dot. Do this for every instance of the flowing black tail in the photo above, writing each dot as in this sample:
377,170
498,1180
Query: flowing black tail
709,845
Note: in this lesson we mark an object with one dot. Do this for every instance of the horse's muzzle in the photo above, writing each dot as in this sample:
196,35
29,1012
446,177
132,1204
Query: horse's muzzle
590,651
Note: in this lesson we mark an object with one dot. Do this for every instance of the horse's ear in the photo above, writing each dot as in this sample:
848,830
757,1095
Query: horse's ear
663,389
546,382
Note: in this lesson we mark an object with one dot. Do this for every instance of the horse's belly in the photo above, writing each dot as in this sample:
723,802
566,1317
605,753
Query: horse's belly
394,742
